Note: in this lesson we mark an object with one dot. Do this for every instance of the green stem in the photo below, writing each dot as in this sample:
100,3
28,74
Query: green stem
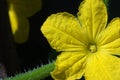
35,74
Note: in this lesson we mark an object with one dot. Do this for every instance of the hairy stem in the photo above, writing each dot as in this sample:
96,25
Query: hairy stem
35,74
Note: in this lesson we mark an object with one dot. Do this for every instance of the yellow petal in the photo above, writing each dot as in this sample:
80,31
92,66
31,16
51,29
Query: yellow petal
69,66
93,17
20,27
103,67
19,11
112,47
109,39
111,33
63,32
24,8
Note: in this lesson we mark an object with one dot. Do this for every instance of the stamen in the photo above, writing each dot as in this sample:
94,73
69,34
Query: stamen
93,48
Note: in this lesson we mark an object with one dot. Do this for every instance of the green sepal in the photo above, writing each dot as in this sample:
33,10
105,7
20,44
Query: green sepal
106,2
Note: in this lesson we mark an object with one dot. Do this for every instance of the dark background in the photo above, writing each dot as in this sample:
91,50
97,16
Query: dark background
19,57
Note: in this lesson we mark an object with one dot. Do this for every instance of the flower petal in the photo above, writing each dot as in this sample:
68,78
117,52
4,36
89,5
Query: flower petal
69,66
19,11
19,26
109,39
103,67
112,47
93,17
111,33
63,32
24,8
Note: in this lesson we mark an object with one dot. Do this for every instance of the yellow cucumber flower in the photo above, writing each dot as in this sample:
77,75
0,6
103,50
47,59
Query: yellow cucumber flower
19,11
89,46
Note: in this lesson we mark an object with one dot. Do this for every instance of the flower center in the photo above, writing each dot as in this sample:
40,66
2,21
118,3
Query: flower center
93,48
